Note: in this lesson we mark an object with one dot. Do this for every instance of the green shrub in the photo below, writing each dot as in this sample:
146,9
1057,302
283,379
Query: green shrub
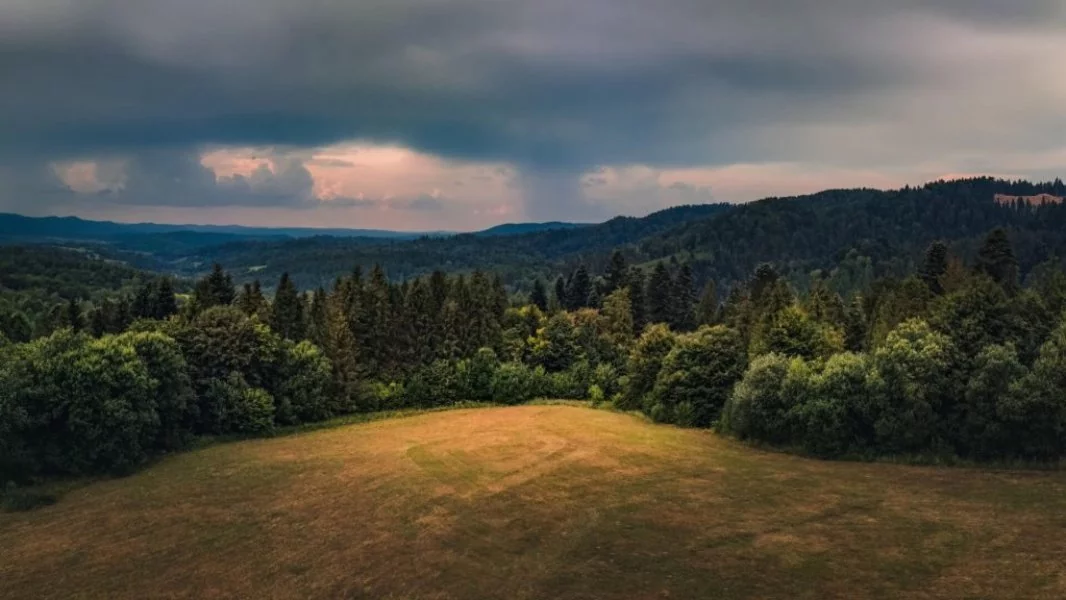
698,375
643,365
304,393
515,383
758,407
595,395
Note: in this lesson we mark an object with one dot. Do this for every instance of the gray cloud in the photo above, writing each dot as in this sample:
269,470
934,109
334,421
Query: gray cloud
552,86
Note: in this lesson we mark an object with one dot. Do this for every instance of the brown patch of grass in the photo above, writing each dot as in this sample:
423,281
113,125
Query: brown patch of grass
537,502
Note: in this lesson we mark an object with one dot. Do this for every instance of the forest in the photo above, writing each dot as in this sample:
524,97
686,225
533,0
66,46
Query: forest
956,354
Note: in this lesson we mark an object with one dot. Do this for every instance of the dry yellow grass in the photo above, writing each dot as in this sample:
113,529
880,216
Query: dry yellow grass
537,502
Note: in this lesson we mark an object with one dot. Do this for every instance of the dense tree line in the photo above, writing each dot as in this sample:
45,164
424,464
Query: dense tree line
961,357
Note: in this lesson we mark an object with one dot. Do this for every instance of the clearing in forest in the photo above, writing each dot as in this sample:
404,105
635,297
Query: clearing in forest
538,502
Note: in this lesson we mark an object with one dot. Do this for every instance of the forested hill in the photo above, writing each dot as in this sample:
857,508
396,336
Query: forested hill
878,232
517,258
889,228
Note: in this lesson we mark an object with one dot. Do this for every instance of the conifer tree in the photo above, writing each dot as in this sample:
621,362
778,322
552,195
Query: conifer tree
707,310
855,327
251,300
539,295
660,295
72,315
635,283
996,259
143,302
682,301
214,290
935,266
560,292
578,289
763,282
287,312
318,319
164,302
617,273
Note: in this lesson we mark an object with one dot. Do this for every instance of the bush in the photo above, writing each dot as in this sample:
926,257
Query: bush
644,363
304,393
846,405
476,375
980,431
435,385
606,377
1034,412
698,375
595,395
172,389
573,383
758,408
390,396
515,383
240,408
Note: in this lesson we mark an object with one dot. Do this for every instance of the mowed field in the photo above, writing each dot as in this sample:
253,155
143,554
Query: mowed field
537,502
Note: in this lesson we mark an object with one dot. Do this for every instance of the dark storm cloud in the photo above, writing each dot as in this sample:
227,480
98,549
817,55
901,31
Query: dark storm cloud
552,86
546,83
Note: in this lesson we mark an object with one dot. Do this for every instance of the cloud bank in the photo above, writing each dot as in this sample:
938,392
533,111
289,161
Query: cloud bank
554,90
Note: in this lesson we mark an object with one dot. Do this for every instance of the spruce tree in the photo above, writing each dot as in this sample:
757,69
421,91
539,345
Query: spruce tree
287,312
578,289
617,273
855,327
707,310
683,301
635,283
214,290
72,315
996,259
935,266
762,283
143,302
318,319
165,303
539,295
560,292
660,295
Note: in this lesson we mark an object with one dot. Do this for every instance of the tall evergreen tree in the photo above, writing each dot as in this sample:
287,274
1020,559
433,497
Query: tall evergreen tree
318,318
707,310
287,312
762,283
165,303
637,300
683,301
72,315
660,295
855,327
251,300
539,295
578,289
216,289
617,273
143,302
996,259
935,266
560,292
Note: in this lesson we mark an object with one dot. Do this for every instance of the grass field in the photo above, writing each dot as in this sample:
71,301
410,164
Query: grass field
537,502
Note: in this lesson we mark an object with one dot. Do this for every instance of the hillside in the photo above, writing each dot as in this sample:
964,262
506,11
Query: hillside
537,502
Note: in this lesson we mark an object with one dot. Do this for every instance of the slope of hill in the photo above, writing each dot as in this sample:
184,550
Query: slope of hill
537,502
520,228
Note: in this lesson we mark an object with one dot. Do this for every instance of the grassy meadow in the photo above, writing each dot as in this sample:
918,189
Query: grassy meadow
537,502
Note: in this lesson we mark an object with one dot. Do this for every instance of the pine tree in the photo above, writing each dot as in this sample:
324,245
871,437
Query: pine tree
659,296
855,328
762,283
318,319
165,303
98,324
683,301
707,311
143,302
214,290
287,312
560,292
578,289
539,295
635,283
251,300
72,315
996,259
935,266
617,273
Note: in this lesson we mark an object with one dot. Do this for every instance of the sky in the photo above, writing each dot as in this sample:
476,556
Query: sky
461,114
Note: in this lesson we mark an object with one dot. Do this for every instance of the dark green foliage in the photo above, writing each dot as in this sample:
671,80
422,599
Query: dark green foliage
287,311
697,377
251,300
515,383
996,259
578,289
216,289
644,363
935,266
759,407
617,274
539,295
659,297
683,301
707,310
